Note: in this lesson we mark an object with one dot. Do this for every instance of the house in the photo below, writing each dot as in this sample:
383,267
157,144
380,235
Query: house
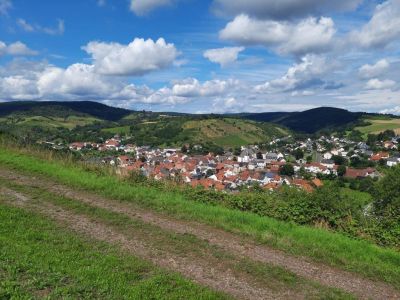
392,161
389,145
328,163
76,146
361,173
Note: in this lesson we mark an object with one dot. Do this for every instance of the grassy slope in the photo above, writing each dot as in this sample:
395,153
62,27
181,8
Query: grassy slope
39,259
69,122
320,245
379,125
230,132
275,278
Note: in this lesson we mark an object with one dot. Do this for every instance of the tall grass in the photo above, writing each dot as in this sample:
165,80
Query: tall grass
320,245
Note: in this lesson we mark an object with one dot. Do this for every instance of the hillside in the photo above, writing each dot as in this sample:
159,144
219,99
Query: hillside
309,121
378,124
162,243
63,109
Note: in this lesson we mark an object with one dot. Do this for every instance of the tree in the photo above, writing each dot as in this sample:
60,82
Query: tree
287,170
298,154
341,170
339,160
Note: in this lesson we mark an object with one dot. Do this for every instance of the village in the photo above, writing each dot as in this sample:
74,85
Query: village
302,163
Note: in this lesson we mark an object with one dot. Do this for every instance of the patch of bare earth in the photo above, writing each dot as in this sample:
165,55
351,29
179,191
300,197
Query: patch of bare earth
325,275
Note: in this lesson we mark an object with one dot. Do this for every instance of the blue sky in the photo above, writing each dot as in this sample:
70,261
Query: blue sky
203,56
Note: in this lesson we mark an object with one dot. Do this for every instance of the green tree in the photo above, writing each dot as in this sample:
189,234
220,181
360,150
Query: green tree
287,170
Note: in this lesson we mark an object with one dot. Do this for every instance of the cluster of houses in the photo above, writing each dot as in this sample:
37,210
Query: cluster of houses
252,166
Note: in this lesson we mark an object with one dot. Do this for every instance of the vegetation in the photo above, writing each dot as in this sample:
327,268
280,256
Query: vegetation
184,245
39,259
328,208
310,121
376,125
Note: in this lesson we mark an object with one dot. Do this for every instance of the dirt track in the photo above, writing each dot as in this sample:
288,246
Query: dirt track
220,278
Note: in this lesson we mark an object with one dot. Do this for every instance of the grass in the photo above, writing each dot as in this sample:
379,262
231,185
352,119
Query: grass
229,132
322,246
380,125
185,245
117,130
38,259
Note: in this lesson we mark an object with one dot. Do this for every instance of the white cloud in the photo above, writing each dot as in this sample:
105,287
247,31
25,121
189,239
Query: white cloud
16,49
193,88
101,3
5,6
376,84
302,75
223,56
59,29
382,29
137,58
307,36
282,9
143,7
371,71
394,111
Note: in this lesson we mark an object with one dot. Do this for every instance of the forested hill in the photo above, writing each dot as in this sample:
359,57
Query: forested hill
309,121
64,109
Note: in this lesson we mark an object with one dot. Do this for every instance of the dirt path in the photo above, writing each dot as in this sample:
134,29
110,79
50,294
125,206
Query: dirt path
322,274
216,276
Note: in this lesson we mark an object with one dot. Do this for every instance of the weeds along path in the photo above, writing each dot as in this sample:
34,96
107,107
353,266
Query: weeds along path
236,245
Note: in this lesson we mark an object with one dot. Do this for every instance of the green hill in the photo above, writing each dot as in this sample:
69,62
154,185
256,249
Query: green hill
309,121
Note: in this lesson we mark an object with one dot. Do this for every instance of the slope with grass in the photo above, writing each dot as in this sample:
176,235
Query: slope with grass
358,257
377,125
41,259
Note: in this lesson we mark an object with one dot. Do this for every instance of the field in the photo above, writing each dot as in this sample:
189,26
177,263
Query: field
121,130
379,125
230,132
40,259
341,252
69,122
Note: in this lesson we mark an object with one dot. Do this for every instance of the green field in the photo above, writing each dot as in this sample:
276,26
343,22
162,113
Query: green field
50,122
379,125
319,245
121,130
228,132
39,259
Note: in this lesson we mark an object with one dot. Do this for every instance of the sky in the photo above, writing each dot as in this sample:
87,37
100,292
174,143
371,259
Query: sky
203,56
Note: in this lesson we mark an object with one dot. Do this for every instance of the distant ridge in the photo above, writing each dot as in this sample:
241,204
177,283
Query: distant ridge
309,121
63,109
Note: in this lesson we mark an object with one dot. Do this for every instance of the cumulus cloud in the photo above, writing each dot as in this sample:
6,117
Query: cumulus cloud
394,111
282,9
191,87
310,35
5,6
301,75
137,58
371,71
16,49
382,29
59,29
223,56
376,84
143,7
